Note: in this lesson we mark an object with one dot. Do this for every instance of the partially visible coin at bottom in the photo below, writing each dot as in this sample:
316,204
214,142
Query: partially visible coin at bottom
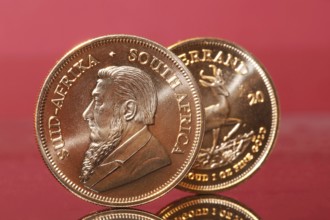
207,207
241,113
119,120
121,214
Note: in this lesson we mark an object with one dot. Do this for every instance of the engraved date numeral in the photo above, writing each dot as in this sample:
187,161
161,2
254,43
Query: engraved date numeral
255,98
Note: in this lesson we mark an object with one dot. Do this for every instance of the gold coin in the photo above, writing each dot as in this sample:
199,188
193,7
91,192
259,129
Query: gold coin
119,120
241,113
207,207
121,214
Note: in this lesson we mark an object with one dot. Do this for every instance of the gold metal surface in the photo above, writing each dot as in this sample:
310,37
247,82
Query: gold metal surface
241,113
121,214
207,207
119,120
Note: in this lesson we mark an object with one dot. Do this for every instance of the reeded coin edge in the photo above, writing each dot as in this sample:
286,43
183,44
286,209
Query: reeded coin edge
91,196
169,211
122,214
275,115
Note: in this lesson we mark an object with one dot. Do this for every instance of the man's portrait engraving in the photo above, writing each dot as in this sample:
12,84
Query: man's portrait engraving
121,149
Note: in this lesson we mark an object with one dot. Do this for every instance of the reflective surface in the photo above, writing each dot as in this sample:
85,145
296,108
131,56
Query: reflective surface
292,183
206,207
121,214
290,38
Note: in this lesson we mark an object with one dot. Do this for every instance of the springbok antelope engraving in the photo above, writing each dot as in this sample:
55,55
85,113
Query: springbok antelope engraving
217,114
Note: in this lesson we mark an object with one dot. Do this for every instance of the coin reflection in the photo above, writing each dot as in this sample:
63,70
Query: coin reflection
207,207
121,214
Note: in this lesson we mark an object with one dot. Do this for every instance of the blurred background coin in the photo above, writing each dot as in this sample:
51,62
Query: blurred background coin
241,113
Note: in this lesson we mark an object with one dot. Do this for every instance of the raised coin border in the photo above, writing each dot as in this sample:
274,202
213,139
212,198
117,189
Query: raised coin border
89,195
274,119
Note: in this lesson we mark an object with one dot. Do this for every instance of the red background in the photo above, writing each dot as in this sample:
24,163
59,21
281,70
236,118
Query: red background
291,39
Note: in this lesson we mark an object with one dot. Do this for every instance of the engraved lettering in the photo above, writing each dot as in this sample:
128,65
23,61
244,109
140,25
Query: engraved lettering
53,122
56,138
170,77
218,57
133,55
214,211
66,82
166,72
207,55
257,140
79,65
229,57
185,121
72,72
143,58
180,97
62,154
174,81
60,90
226,214
199,177
226,173
92,61
184,59
194,58
255,98
183,139
58,102
242,163
193,214
185,107
156,65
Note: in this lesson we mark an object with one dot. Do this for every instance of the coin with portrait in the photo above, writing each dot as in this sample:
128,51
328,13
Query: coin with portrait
119,120
241,113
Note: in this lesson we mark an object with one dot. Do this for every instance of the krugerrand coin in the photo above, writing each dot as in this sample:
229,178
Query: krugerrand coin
241,113
119,120
121,214
207,207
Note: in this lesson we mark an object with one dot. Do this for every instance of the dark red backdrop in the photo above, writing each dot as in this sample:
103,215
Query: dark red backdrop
291,38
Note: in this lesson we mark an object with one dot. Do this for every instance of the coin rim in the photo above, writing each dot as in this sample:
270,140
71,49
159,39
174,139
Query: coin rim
88,195
275,107
113,214
185,202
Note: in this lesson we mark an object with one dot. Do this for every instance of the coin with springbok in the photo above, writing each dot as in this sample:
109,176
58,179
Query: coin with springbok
241,113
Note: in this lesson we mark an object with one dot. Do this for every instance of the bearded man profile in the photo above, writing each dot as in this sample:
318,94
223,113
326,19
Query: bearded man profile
122,148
